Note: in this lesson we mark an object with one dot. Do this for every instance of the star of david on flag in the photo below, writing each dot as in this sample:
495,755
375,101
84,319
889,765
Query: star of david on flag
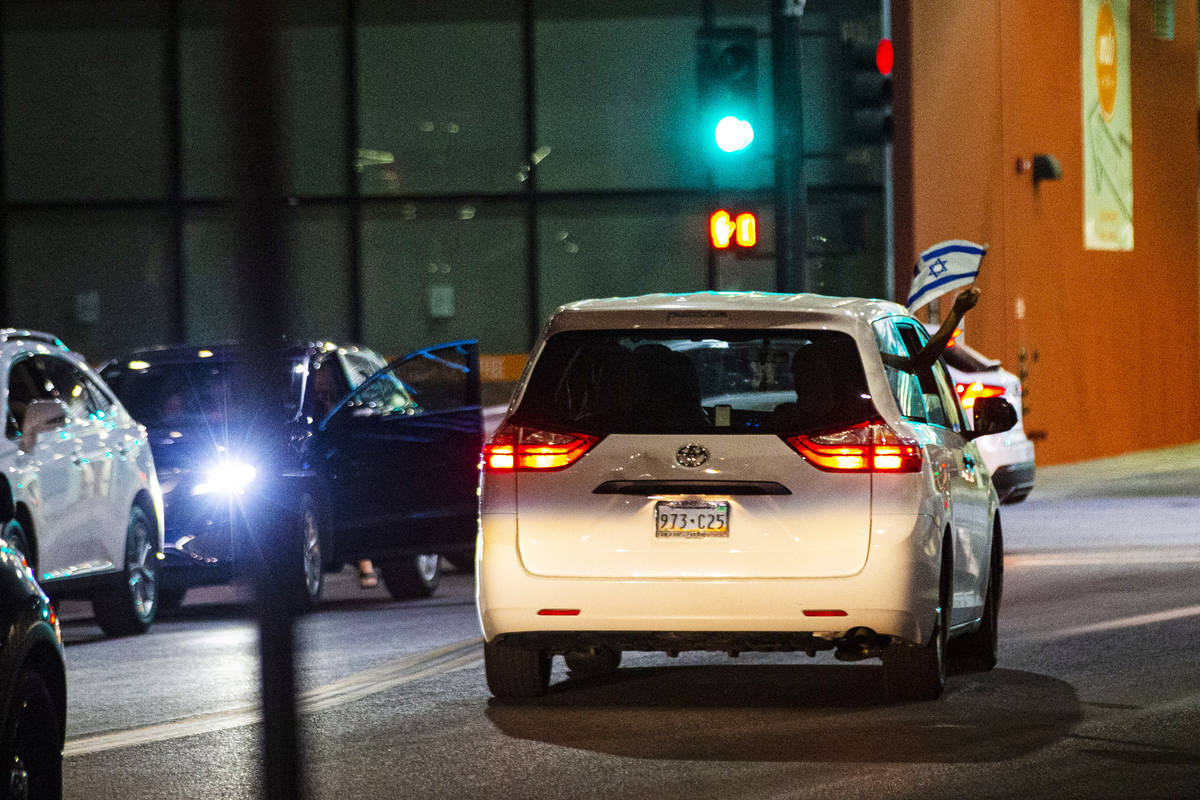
943,268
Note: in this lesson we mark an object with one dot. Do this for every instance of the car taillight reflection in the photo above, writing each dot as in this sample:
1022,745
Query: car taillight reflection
865,447
968,393
517,448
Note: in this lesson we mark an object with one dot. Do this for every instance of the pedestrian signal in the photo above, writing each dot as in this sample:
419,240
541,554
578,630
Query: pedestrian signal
725,229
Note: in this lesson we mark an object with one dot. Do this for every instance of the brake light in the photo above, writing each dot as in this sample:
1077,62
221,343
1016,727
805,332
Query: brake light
866,447
517,448
968,393
954,338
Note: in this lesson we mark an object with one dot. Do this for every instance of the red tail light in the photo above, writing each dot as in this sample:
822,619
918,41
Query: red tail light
517,448
865,447
968,393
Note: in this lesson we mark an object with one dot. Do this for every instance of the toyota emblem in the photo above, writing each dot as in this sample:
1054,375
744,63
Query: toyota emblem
691,455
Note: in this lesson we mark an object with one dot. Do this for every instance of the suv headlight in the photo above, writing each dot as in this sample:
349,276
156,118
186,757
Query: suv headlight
227,477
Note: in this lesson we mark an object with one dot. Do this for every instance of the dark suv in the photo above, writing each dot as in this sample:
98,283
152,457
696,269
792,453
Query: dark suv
379,460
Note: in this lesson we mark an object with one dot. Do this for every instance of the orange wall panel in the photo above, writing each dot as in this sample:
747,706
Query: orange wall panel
1117,334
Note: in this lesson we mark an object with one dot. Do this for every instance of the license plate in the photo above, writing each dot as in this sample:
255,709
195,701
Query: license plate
691,519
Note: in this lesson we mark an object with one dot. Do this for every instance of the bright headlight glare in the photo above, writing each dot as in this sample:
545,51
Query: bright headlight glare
228,477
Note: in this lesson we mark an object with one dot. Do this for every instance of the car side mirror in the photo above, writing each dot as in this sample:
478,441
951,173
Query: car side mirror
993,415
41,415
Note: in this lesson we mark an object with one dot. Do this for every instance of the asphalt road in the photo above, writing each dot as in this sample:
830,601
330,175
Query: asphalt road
1097,694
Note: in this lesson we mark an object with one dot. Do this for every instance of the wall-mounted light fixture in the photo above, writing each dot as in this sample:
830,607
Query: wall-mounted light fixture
1044,167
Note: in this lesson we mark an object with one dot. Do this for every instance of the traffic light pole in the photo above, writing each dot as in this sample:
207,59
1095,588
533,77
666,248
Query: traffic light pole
790,196
712,278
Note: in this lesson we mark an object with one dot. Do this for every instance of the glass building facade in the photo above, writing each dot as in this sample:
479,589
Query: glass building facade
453,169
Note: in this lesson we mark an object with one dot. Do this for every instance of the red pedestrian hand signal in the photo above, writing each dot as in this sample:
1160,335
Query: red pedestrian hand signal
725,229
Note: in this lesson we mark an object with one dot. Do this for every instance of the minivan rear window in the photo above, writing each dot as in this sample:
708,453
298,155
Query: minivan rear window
713,381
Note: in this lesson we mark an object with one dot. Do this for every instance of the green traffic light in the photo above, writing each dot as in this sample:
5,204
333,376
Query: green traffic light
733,134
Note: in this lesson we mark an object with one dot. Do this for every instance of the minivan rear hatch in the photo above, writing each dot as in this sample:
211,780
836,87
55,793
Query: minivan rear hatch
677,462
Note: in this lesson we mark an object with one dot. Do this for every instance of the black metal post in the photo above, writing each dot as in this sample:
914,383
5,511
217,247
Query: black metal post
353,190
175,173
261,275
532,244
711,272
790,195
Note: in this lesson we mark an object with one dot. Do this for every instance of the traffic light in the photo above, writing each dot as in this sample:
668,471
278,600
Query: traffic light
727,76
870,90
739,230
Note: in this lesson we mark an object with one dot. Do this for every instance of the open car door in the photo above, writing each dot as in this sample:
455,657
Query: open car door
400,454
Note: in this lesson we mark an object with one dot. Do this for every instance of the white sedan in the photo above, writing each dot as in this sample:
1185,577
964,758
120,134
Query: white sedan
737,472
1009,455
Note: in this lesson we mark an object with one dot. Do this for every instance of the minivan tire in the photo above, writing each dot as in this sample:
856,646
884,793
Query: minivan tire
514,673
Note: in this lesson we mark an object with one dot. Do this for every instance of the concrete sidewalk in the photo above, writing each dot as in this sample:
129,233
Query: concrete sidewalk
1161,472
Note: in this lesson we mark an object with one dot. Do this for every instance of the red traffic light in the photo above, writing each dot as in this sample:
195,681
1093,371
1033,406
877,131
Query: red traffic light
885,57
725,229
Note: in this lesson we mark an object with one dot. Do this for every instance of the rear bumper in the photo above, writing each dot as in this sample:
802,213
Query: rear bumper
894,595
1014,482
667,641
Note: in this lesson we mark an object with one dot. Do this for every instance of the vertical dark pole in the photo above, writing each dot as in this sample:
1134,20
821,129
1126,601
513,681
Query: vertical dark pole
175,173
904,247
533,278
353,190
889,181
790,195
260,276
708,21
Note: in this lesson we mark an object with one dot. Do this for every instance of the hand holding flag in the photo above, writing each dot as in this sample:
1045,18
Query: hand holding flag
943,268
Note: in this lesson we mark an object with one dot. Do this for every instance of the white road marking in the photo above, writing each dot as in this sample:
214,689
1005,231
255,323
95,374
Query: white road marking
348,689
1095,558
1118,624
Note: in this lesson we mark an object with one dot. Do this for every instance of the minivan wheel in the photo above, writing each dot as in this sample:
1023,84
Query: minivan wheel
412,577
979,651
918,672
127,606
513,673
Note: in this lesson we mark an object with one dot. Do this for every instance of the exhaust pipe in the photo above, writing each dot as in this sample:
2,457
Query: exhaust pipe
860,643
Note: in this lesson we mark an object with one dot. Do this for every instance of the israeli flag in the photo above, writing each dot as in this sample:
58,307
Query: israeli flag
943,268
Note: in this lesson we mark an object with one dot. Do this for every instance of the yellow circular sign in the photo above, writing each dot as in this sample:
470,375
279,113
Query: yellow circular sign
1106,60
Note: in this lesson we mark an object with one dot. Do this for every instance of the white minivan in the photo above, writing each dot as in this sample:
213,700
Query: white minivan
737,472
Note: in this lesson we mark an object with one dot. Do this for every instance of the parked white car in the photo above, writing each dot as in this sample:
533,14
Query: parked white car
737,472
1009,455
80,497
